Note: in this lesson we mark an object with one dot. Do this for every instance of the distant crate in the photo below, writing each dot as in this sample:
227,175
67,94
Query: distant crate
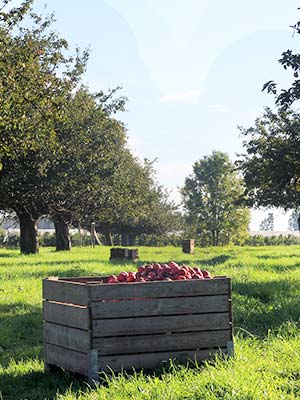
91,327
188,246
120,253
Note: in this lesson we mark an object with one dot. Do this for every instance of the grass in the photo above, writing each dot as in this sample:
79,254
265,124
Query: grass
266,308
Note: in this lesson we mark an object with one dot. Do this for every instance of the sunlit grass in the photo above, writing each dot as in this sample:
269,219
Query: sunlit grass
266,298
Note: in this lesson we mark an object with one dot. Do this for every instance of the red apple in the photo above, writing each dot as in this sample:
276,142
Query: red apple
197,276
206,274
131,277
141,269
156,266
122,277
112,279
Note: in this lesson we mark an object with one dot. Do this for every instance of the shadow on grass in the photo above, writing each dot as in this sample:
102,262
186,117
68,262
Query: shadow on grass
39,385
261,307
21,332
221,259
274,257
45,273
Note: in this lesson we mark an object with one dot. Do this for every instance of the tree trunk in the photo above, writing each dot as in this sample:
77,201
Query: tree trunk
109,239
298,220
131,240
62,235
124,239
29,243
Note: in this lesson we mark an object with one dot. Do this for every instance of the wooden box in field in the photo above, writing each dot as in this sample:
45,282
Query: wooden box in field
188,246
90,326
119,253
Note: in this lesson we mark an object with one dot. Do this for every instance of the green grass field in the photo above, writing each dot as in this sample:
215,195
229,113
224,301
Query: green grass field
266,310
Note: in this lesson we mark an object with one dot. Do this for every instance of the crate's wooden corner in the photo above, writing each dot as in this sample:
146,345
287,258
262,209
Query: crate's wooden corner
230,348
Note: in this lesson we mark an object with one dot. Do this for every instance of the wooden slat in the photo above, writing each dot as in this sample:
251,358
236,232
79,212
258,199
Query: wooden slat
66,314
161,324
164,342
152,360
65,292
64,336
165,306
82,279
68,359
160,289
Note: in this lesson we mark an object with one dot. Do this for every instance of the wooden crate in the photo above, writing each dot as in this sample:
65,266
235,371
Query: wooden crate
91,327
188,246
119,253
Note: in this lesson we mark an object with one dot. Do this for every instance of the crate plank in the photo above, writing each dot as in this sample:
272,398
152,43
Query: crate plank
161,342
159,289
83,279
64,336
66,314
152,360
166,306
65,292
70,360
160,324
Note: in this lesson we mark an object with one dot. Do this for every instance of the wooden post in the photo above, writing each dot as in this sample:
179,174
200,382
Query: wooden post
93,373
79,234
93,231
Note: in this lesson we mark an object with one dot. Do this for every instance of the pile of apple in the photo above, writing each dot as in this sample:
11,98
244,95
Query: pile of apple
160,272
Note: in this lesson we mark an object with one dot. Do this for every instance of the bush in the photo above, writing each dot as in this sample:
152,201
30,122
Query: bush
47,239
9,240
260,240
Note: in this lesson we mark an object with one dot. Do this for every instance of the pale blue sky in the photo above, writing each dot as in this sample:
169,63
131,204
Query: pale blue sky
192,70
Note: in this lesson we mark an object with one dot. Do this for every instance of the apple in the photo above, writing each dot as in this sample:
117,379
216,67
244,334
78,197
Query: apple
141,269
122,277
173,264
112,279
206,274
156,266
131,277
197,276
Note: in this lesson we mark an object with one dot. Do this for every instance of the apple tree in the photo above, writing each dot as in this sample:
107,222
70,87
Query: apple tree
290,61
211,200
271,165
80,172
36,79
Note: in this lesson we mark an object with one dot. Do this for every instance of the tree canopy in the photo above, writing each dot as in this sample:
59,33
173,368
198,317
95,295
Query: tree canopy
211,197
290,62
35,77
271,165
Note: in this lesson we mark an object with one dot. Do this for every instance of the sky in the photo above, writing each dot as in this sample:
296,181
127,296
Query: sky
192,71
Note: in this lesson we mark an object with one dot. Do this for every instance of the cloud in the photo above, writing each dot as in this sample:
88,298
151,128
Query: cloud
190,95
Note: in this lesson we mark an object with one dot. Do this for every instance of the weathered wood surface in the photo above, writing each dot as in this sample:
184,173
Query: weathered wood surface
188,246
70,360
154,321
124,254
65,292
161,342
152,360
166,306
160,289
82,279
66,314
64,336
161,324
